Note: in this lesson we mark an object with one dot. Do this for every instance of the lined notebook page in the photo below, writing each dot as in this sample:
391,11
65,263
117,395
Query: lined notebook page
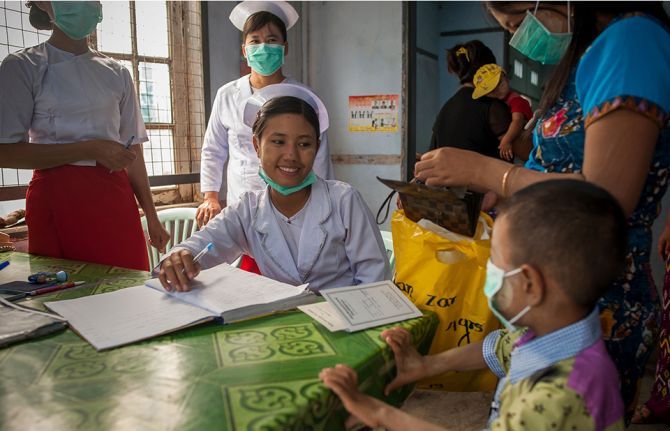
224,288
127,315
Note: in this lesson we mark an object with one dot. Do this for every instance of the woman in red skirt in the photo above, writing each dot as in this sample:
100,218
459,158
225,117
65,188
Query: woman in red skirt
72,114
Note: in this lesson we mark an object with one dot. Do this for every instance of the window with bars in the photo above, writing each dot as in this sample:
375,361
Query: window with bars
160,44
137,35
16,33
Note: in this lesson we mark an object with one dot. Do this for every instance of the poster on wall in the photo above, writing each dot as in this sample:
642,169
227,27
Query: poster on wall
373,113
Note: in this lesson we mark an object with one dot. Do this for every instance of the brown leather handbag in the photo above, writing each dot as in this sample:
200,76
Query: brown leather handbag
441,205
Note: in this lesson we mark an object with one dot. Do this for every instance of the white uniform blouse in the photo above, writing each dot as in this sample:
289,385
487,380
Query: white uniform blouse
51,96
228,140
340,244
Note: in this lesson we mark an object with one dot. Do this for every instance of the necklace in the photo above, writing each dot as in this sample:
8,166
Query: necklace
295,217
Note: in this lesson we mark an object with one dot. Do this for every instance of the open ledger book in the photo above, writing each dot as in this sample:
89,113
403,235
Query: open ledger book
136,313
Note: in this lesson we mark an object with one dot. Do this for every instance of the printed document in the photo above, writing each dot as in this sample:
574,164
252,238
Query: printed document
360,307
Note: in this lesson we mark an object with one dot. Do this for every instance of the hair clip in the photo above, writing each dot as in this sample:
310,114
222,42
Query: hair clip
463,51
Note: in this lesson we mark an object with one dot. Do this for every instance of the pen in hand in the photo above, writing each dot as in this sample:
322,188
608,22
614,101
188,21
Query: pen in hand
129,142
208,247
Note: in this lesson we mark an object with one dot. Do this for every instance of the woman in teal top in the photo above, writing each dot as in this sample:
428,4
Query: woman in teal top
603,119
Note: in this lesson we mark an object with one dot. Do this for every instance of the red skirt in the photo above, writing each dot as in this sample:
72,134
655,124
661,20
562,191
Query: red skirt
85,213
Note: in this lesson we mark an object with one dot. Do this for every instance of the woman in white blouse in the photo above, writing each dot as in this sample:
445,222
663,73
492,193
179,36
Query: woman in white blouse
72,115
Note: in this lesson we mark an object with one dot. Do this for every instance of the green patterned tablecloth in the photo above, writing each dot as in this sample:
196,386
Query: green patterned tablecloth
255,375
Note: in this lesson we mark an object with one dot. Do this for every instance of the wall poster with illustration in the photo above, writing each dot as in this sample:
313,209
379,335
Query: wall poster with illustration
373,113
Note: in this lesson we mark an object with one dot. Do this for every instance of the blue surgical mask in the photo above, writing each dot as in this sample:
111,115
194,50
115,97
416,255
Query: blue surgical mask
536,42
77,19
308,181
265,58
495,280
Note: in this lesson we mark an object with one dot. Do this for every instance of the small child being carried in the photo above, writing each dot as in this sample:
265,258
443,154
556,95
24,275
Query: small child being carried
490,80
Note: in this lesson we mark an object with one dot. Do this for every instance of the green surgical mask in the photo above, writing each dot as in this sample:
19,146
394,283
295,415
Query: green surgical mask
265,58
77,19
308,181
495,279
536,42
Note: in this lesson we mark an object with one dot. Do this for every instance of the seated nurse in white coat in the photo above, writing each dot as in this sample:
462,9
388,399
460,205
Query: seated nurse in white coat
300,228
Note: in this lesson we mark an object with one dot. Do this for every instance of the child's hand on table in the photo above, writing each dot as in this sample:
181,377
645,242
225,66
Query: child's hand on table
344,382
410,365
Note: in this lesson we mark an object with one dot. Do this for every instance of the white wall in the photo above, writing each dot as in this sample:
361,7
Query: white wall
355,48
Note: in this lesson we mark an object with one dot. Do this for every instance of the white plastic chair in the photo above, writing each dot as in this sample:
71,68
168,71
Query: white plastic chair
388,244
179,222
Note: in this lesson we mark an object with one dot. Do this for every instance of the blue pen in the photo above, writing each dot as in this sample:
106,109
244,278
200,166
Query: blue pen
197,257
208,247
4,264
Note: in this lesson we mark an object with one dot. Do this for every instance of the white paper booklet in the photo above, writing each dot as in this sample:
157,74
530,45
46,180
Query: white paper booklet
360,307
136,313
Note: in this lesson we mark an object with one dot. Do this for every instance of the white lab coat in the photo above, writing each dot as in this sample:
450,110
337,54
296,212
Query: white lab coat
228,140
340,244
51,96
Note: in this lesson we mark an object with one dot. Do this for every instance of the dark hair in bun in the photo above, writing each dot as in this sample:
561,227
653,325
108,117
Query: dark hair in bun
38,18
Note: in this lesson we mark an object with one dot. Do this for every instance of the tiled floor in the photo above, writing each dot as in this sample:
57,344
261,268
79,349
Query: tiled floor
460,411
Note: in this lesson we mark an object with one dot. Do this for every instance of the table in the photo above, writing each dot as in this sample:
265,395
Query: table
255,375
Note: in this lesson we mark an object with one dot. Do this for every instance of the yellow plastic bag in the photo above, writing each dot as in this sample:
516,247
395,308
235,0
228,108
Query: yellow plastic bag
447,276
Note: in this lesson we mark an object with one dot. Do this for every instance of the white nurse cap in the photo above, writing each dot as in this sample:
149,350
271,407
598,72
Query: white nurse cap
280,9
269,92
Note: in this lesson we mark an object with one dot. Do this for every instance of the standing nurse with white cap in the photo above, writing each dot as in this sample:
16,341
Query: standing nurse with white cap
228,140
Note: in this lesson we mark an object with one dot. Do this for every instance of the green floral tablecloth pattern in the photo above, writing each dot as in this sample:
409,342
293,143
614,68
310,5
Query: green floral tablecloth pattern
255,375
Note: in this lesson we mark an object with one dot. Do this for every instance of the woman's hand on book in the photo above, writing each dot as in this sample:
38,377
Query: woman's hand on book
177,271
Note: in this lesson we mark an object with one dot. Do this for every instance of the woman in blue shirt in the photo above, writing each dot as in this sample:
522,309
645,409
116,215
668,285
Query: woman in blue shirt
604,120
